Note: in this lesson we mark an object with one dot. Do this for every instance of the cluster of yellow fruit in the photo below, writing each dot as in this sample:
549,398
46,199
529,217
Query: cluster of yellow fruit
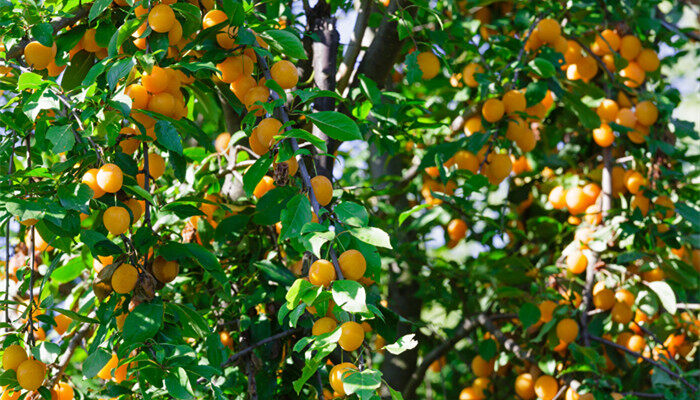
30,372
481,386
644,115
578,200
89,44
158,92
42,57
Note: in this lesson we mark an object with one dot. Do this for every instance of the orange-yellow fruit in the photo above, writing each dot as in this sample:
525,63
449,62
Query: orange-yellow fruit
323,325
634,181
429,64
498,167
608,41
265,185
351,337
161,18
576,200
13,356
576,262
587,68
557,197
106,371
30,374
213,17
255,144
546,387
117,220
285,74
641,202
626,117
492,110
607,110
322,273
603,136
175,33
473,125
481,367
156,81
139,96
254,95
468,74
648,60
634,75
646,113
323,189
221,142
110,178
37,55
470,393
603,298
90,179
525,386
514,100
62,323
546,310
242,85
164,270
62,391
267,129
573,52
156,165
548,30
621,313
466,161
352,264
630,46
567,330
456,229
337,374
124,278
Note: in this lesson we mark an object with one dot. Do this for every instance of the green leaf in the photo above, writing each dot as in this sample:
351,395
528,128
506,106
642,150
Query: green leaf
275,272
368,379
77,70
98,8
305,135
529,314
95,362
689,213
178,384
207,260
75,196
167,135
487,349
29,80
542,67
407,213
336,125
405,343
69,271
351,214
48,352
350,296
62,138
43,33
373,236
182,210
255,173
285,42
144,322
294,216
119,70
665,293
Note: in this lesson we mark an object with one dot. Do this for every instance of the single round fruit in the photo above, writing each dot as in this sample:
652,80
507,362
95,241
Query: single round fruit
124,278
351,337
90,179
557,197
525,386
106,371
607,109
139,96
630,46
62,391
621,313
492,110
646,113
322,189
641,202
156,81
265,185
285,74
254,95
576,262
222,141
337,374
546,387
634,75
322,273
429,64
576,201
513,101
161,18
608,41
548,30
481,367
470,393
604,299
156,165
498,167
473,125
567,330
37,55
110,178
30,374
62,323
162,103
13,356
634,181
213,17
456,229
242,85
546,310
323,325
352,264
117,220
468,74
267,129
231,69
165,271
625,296
648,60
603,136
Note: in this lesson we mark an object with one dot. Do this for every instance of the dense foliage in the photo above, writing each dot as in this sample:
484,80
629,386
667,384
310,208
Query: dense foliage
471,199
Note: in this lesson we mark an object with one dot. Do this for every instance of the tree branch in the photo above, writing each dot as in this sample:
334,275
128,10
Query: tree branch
254,346
352,51
68,354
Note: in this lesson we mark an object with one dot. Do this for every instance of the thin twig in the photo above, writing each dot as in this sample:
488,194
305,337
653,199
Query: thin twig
68,354
514,82
254,346
7,240
32,256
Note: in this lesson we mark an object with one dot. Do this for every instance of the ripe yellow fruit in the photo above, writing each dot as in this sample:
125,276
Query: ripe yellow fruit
322,273
165,271
62,323
156,81
226,38
124,278
567,330
233,68
90,179
630,46
646,113
30,374
352,264
62,391
222,141
292,165
13,356
548,30
492,110
621,313
634,75
429,64
573,52
473,125
587,67
648,60
254,95
106,371
470,393
498,167
156,165
514,100
285,74
37,55
625,296
626,117
546,310
265,185
557,197
468,74
603,299
162,103
323,325
117,220
576,262
456,229
351,336
641,202
110,178
242,85
267,129
161,18
525,386
608,41
481,367
323,189
337,374
603,136
175,33
634,181
128,146
139,96
213,17
607,110
667,203
481,386
546,387
467,161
